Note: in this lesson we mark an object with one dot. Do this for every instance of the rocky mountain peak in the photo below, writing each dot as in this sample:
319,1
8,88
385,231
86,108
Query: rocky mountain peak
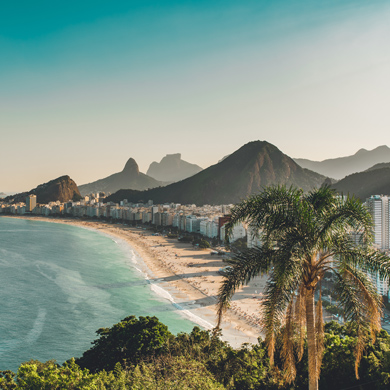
172,168
131,167
175,156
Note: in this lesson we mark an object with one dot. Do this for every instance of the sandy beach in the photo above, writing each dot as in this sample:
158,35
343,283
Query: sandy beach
188,277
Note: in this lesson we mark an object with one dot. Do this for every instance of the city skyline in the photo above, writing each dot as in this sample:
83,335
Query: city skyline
87,86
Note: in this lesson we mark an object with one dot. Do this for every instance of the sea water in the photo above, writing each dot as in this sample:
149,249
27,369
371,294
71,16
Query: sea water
61,283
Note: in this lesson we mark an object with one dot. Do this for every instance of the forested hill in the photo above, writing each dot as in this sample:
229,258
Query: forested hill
247,171
364,184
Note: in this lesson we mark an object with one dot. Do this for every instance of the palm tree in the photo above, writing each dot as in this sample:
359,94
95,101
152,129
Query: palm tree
303,236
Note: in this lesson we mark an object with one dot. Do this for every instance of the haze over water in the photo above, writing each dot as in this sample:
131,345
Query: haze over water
60,284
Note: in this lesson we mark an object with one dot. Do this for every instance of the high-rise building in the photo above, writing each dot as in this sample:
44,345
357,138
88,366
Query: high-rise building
378,206
31,202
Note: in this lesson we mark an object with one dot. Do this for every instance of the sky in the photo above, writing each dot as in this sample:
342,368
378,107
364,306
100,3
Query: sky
85,85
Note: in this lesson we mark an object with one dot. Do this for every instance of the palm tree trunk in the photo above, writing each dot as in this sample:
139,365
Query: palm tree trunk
311,340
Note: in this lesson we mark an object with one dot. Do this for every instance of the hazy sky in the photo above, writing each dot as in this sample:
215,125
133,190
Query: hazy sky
84,85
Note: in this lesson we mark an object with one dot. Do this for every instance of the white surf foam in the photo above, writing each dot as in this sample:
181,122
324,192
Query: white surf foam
193,317
37,329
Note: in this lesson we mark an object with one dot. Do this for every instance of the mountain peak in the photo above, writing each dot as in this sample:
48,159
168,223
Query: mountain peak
246,171
129,178
361,151
131,167
340,167
175,156
172,168
382,148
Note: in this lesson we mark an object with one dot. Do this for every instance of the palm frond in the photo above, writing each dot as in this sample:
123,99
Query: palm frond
362,305
245,266
361,257
280,291
369,297
350,214
270,211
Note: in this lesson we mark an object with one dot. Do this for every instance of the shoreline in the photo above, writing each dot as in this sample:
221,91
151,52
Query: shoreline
185,276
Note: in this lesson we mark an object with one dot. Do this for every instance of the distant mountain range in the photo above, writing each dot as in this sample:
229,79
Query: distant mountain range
340,167
247,171
172,168
130,177
63,189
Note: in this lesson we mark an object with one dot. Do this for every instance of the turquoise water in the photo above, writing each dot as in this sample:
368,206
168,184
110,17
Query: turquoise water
61,283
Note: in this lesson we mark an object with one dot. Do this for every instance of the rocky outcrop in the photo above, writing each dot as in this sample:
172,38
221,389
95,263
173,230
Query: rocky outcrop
172,168
61,189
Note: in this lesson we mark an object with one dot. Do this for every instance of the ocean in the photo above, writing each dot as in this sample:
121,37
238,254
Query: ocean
61,283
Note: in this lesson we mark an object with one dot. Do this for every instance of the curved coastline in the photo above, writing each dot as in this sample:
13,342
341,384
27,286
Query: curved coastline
184,276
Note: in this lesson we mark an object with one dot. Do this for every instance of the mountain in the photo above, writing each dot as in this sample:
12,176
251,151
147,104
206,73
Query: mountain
364,184
129,178
343,166
62,189
247,171
172,168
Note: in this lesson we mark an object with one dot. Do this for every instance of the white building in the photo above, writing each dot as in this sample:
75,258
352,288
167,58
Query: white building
378,206
238,231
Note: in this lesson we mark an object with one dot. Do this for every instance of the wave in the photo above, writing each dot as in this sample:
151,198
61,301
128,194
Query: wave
37,329
193,317
7,346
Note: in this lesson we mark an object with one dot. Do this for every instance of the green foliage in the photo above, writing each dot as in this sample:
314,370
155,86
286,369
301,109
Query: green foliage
173,373
246,368
332,309
186,239
126,342
7,380
35,375
201,243
201,360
